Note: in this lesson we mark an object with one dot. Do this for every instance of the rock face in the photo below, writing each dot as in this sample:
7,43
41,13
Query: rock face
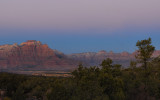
32,55
93,58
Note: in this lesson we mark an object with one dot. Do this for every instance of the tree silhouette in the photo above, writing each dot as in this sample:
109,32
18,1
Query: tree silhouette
145,51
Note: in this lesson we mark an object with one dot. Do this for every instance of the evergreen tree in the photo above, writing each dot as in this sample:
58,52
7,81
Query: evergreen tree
145,51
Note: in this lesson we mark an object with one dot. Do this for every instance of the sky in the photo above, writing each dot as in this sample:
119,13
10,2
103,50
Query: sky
74,26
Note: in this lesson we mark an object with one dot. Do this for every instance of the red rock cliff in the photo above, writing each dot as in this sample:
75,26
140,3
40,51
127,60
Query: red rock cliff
31,55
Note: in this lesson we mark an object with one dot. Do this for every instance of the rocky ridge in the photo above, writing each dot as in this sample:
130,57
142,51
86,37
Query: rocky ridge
95,58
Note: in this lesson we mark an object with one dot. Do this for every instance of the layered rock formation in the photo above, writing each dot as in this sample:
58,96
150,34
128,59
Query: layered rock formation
32,55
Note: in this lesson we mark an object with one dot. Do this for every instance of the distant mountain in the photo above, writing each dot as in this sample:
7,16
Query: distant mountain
93,58
33,55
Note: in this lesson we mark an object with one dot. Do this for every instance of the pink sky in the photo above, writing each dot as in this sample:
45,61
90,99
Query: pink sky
79,14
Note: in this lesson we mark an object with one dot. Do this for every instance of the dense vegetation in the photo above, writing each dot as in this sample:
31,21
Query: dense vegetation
140,81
